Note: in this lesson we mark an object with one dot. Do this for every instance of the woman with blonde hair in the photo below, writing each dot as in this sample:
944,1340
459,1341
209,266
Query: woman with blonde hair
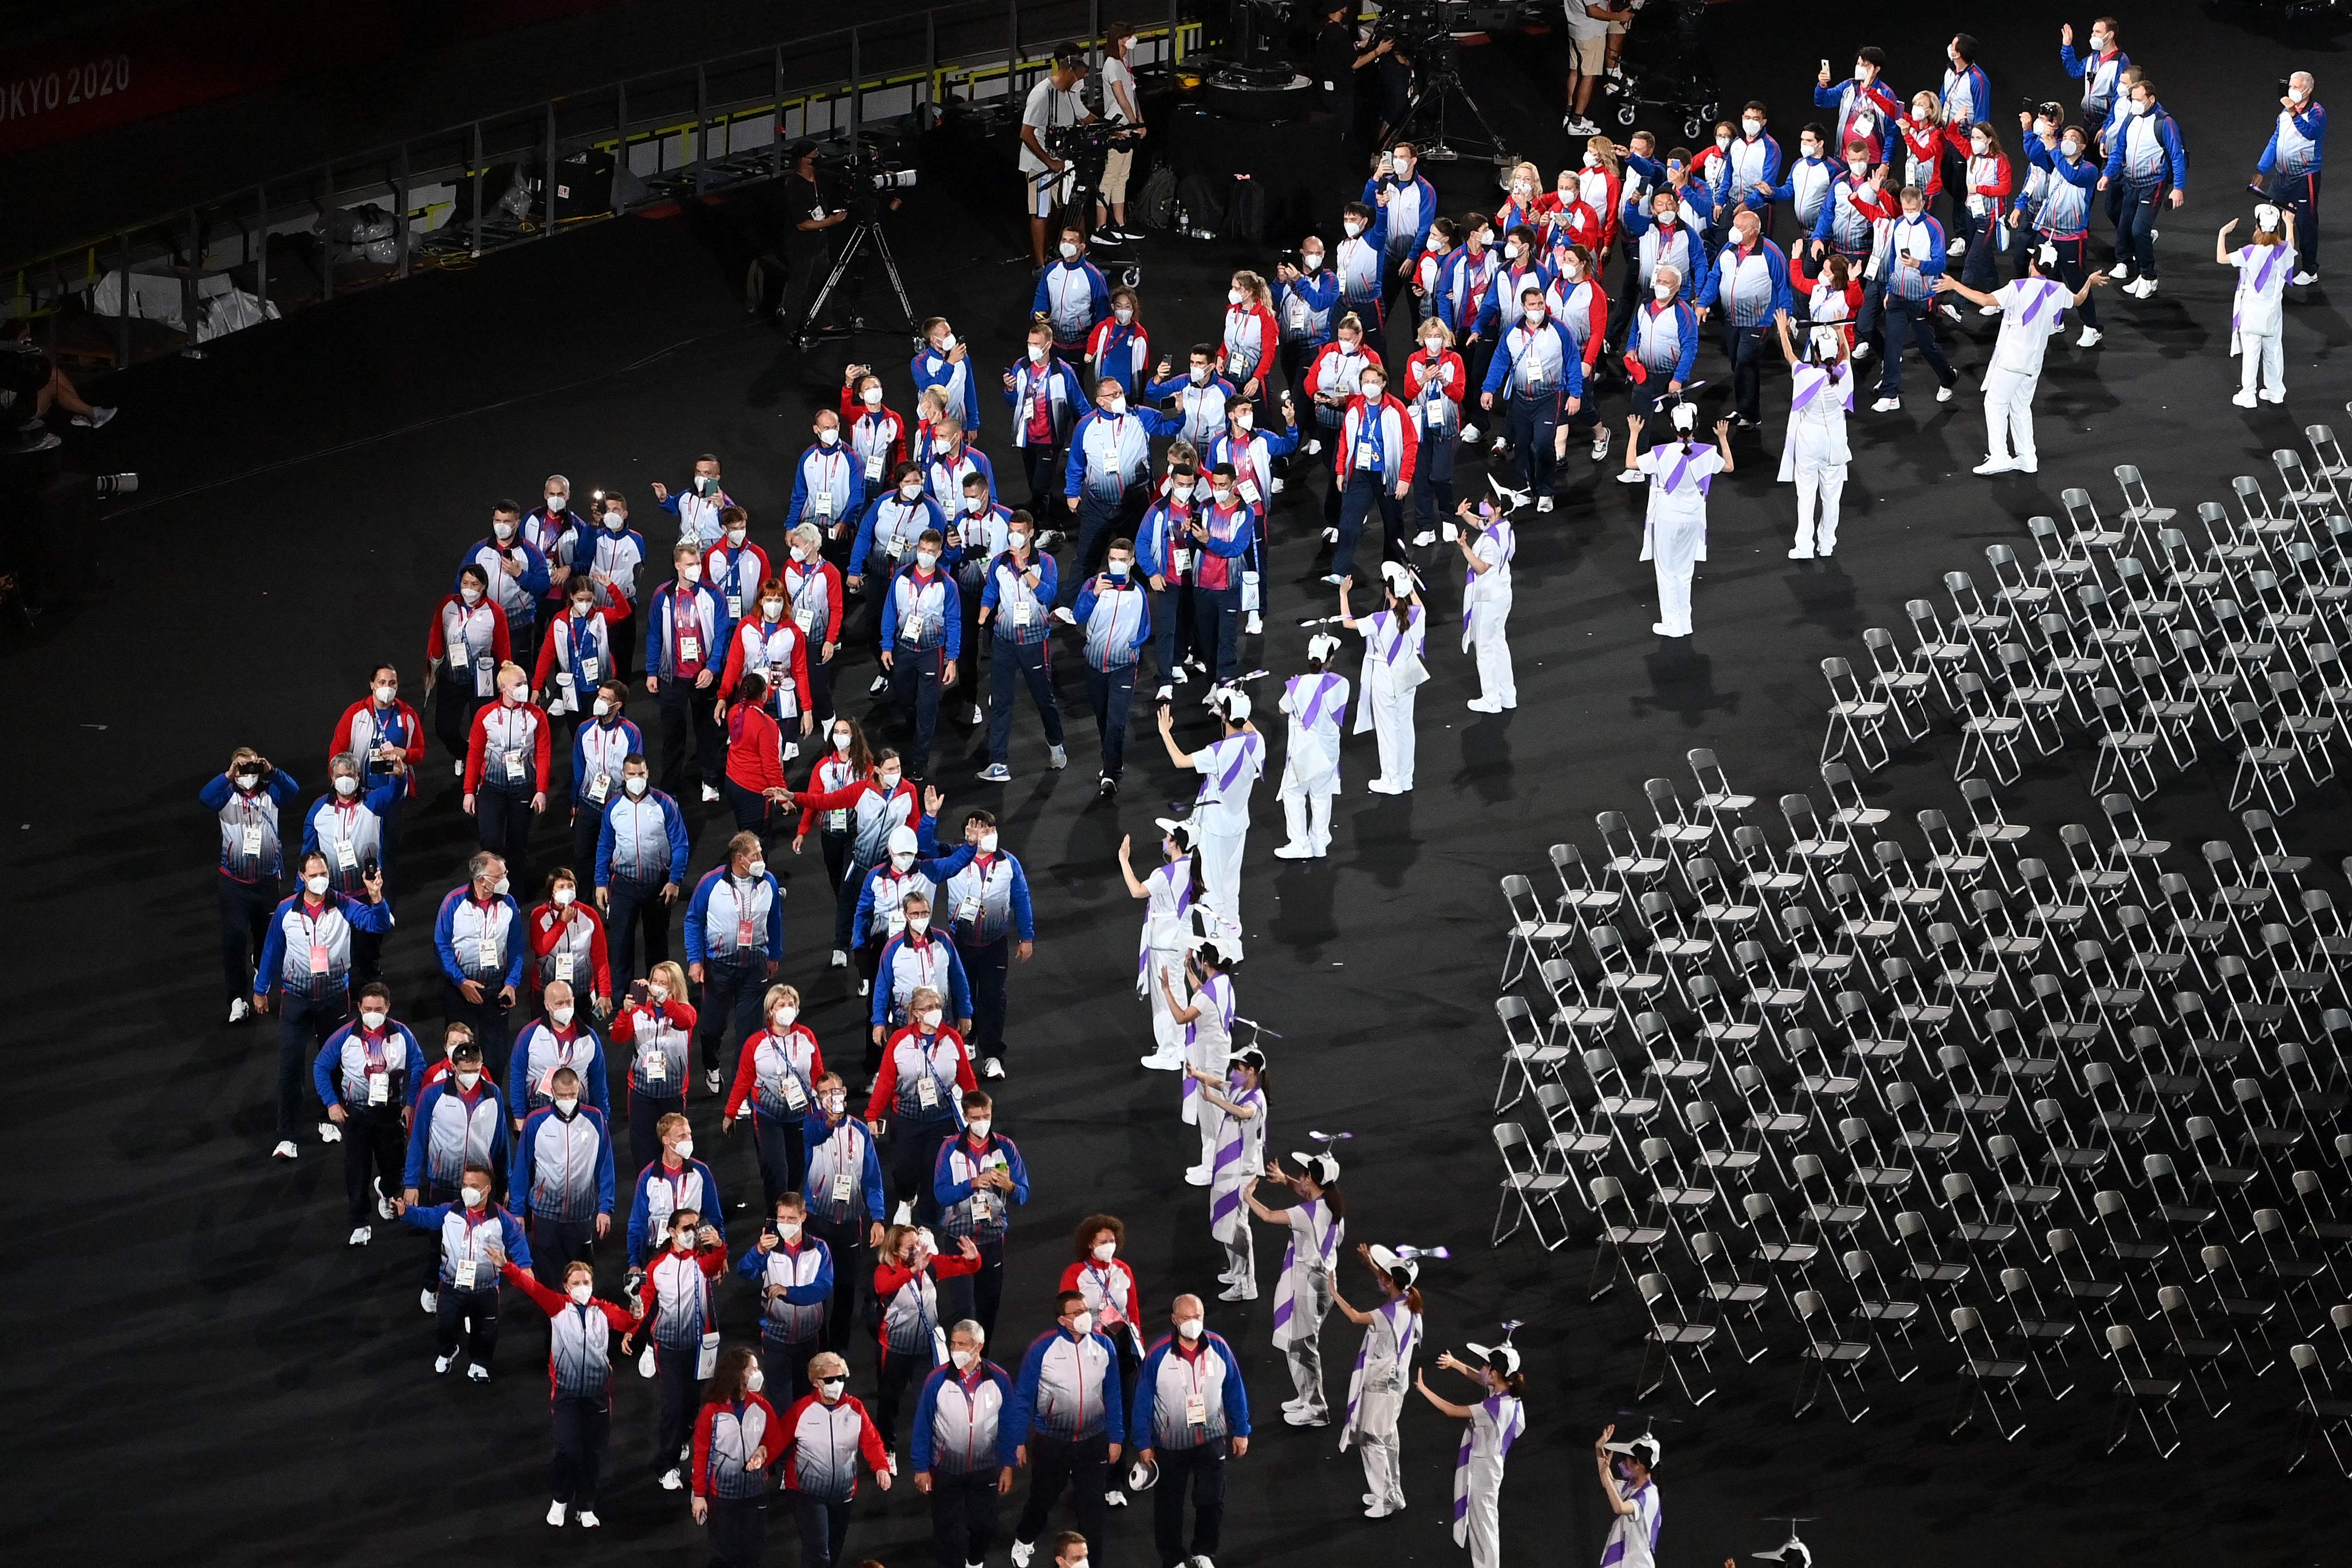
1521,193
657,1022
776,1076
1250,335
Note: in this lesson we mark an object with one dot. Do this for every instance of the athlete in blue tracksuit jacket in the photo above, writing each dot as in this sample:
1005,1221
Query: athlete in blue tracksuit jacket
454,1126
2290,165
550,1188
1070,1413
828,482
966,1452
1072,297
2146,155
887,1013
1537,368
643,1242
1748,283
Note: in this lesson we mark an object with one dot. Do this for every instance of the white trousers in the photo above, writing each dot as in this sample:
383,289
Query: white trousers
1675,548
1241,1258
1497,683
1375,1436
1482,1521
2008,416
1166,1032
1818,490
1221,881
2259,354
1307,815
1306,1356
1393,729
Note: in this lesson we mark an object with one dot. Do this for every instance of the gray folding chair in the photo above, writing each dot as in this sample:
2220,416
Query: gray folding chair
1987,1377
1525,1186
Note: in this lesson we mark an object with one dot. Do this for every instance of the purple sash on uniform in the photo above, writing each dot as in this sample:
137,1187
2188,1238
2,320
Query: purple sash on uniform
1506,547
2261,280
1323,688
1682,466
1241,755
1403,628
2033,307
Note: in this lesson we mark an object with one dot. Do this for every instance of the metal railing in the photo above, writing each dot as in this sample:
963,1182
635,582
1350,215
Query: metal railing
454,196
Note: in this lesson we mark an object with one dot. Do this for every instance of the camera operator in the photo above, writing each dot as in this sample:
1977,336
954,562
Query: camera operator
1337,61
1053,103
1123,104
810,212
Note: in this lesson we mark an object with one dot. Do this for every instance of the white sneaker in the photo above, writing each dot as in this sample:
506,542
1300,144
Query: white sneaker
1330,536
2118,269
429,1300
1065,615
1995,465
382,1204
1115,1498
2269,395
1801,553
2304,280
865,987
239,1010
1314,445
1575,125
1292,853
670,1482
2090,338
1203,1562
894,1464
1301,1418
1543,502
361,1236
2029,466
1658,628
1197,1177
1021,1552
1988,310
1237,1294
457,769
1943,394
284,1151
1278,484
476,1373
1168,1061
1255,626
2242,399
1330,580
1861,351
329,1134
840,960
1601,443
1385,787
1957,247
441,1362
1469,432
1482,705
906,1214
1057,758
711,1081
1423,540
557,1513
973,714
94,418
881,684
588,1521
1886,405
1632,476
992,1068
2140,288
710,796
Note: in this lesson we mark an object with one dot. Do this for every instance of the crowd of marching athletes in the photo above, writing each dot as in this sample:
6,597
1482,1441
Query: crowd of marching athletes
883,1218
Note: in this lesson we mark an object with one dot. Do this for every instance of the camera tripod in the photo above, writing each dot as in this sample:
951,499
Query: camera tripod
1438,76
867,230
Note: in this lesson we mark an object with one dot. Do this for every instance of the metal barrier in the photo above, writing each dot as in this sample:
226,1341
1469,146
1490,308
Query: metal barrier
454,196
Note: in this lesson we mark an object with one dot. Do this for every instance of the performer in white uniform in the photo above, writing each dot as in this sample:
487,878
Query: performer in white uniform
1316,703
1633,1497
1376,1389
1316,1219
1820,395
2255,314
1674,529
2033,309
1495,1422
1228,768
1169,894
1396,640
1207,1016
1486,554
1238,1096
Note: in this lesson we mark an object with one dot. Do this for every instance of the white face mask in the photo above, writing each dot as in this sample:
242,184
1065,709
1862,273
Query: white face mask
1353,227
584,608
1861,70
1857,167
801,555
346,785
1235,296
962,1359
1191,1328
947,343
658,993
1118,569
911,493
1664,290
784,1016
1200,374
467,1077
1811,149
1106,1250
827,436
979,1126
926,558
503,530
773,609
248,780
1752,127
567,1103
932,1016
1123,315
840,741
1592,160
1069,250
564,895
831,1388
690,573
1018,540
315,886
582,1294
636,785
756,869
1310,260
510,694
1535,315
1036,353
1244,421
2098,43
788,1229
1724,139
475,1197
1114,406
755,1380
1436,346
1404,168
1082,1323
617,521
887,781
1978,145
1373,389
500,890
470,594
387,696
918,924
902,861
1221,493
561,1017
2072,148
871,397
373,1019
686,1148
1523,187
1511,251
2298,94
737,536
